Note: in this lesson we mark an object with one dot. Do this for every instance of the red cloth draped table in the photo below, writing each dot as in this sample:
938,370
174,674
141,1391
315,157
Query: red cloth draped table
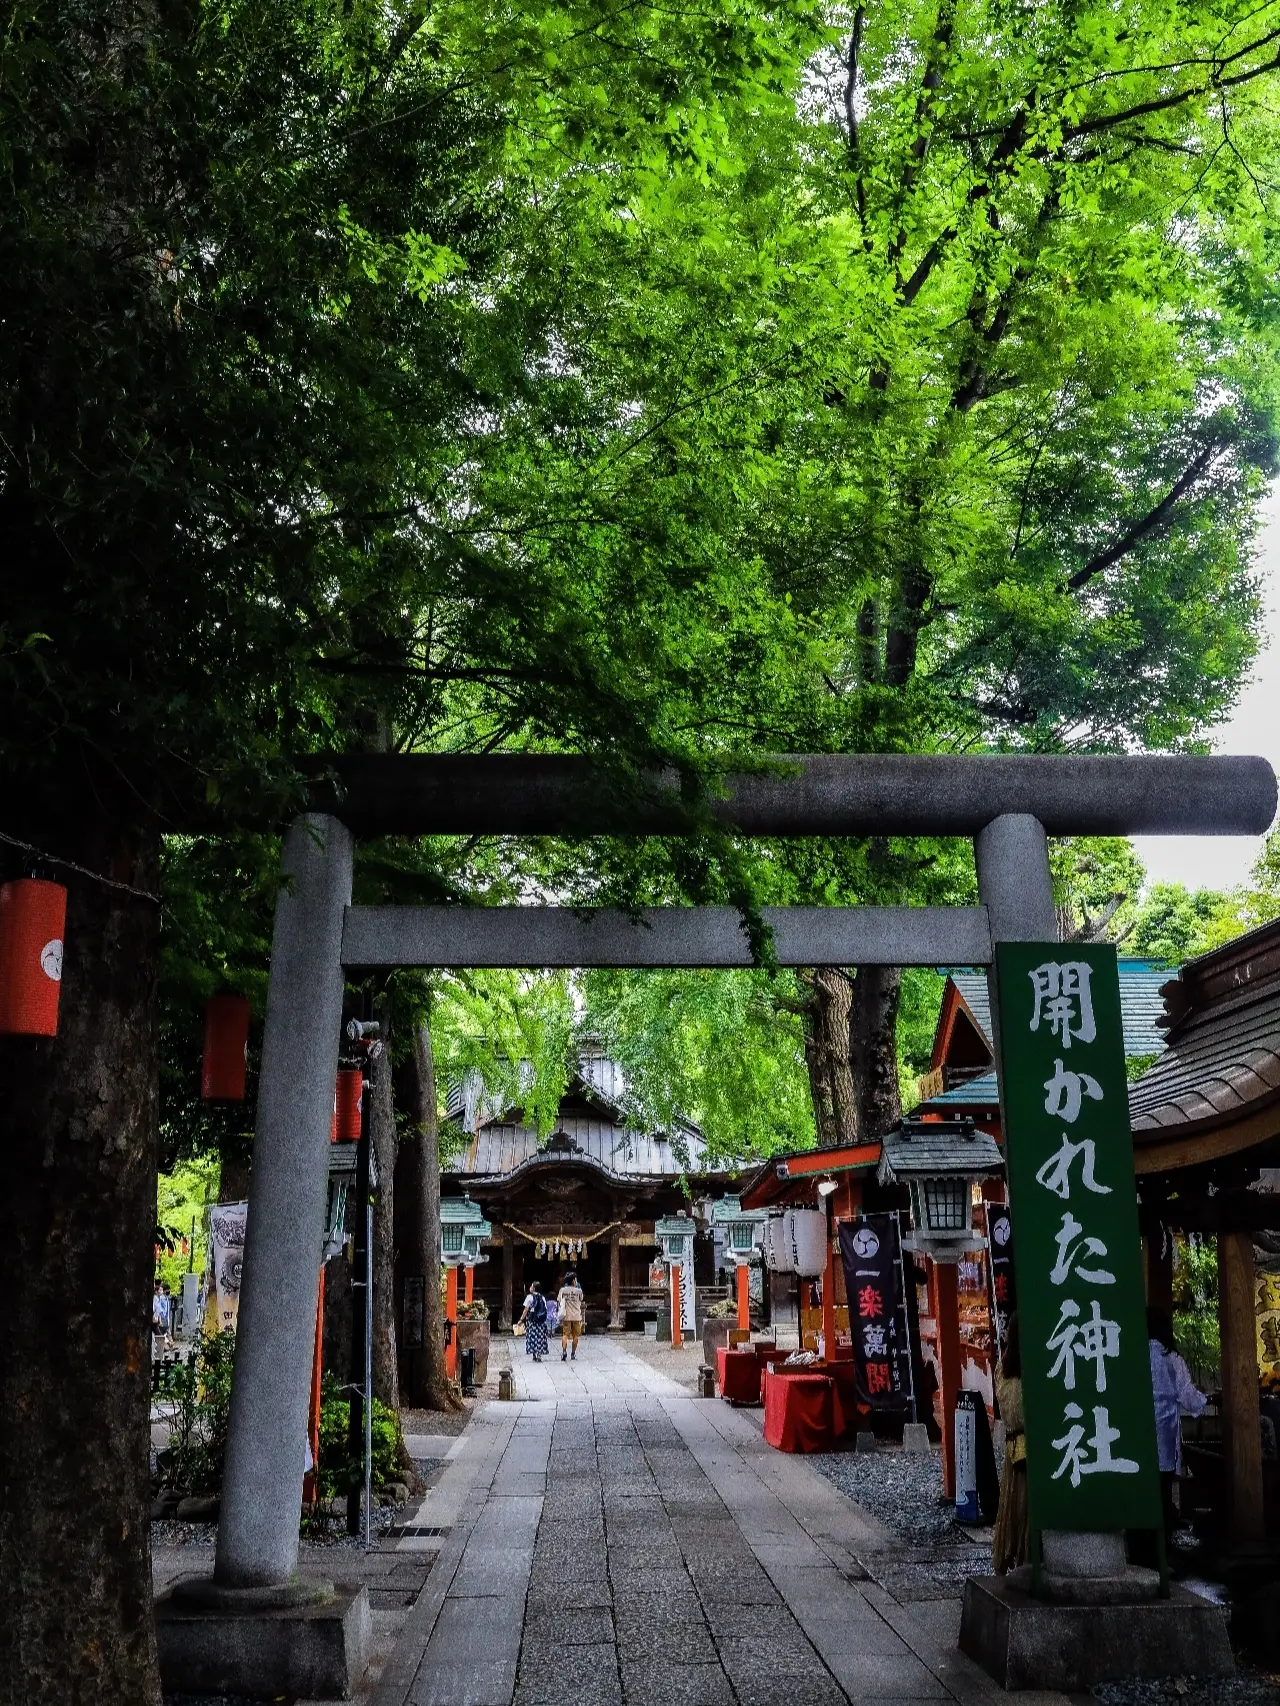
738,1375
769,1353
802,1412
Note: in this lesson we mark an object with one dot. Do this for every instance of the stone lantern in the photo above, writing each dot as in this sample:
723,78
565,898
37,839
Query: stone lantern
743,1234
940,1161
463,1229
674,1234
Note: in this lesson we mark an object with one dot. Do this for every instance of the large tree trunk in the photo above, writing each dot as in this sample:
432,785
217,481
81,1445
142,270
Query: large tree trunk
831,1081
430,1388
382,1137
233,1178
873,1048
78,1132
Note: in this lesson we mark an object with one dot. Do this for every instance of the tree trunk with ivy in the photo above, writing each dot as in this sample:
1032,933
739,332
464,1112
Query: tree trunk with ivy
78,1130
831,1082
426,1385
873,1048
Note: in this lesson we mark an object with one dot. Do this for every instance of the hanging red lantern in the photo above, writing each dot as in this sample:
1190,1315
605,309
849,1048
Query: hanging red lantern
350,1094
226,1048
33,917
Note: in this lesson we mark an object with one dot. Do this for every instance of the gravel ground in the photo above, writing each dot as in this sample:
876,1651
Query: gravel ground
1249,1688
902,1489
206,1533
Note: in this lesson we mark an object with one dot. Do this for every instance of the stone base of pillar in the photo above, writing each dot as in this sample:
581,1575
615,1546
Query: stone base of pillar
617,1324
318,1651
1031,1643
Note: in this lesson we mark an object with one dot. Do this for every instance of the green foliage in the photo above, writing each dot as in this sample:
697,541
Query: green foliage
1097,883
340,1472
200,1389
526,378
1195,1307
712,1047
514,1029
1173,924
917,1021
181,1199
1260,903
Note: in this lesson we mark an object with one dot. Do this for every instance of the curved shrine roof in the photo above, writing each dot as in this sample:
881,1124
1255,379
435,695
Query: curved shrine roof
1222,1065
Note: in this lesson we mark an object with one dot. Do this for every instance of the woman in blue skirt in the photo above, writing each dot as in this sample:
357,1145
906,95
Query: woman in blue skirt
534,1316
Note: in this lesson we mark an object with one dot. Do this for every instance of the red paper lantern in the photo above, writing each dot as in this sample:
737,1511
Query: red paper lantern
350,1094
33,917
226,1046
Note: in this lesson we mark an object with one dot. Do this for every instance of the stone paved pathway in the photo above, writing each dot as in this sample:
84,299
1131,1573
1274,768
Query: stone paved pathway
614,1542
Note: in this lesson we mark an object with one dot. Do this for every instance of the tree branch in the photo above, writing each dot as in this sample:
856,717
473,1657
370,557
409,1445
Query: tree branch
1150,523
850,110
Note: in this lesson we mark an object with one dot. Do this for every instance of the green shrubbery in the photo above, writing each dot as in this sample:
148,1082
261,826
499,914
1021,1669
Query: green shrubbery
339,1472
201,1391
1195,1308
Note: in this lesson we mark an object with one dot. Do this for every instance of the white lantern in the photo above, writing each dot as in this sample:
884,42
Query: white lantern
806,1231
777,1246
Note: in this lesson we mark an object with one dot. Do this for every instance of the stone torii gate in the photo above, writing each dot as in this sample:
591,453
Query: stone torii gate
1007,805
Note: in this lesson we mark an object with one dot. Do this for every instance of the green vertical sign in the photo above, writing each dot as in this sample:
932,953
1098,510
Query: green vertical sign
1082,1331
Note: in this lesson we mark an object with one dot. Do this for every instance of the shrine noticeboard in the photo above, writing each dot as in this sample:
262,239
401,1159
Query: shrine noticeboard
1082,1331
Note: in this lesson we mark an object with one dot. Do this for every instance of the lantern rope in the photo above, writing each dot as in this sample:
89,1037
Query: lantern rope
84,871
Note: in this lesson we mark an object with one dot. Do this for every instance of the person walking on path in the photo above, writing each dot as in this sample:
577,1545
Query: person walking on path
1176,1395
159,1323
1009,1538
573,1312
534,1317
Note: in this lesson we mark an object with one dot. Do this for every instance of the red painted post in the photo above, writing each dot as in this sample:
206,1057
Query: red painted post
948,1319
829,1295
744,1298
311,1482
469,1291
451,1320
675,1306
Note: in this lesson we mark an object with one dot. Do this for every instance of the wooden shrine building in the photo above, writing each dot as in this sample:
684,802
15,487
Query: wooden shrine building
961,1080
586,1197
1206,1143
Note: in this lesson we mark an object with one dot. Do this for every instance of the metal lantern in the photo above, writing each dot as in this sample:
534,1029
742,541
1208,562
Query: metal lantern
940,1161
674,1234
743,1228
463,1229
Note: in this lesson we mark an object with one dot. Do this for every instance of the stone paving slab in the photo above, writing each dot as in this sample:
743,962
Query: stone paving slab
613,1541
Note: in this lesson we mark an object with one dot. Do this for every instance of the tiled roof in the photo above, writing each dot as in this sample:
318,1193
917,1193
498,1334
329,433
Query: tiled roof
499,1150
1141,1004
980,1092
500,1144
1223,1058
924,1147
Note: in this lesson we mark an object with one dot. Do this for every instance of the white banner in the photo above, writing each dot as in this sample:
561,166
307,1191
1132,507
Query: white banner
227,1222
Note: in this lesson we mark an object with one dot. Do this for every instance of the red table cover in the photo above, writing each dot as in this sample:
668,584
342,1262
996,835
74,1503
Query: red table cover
738,1375
802,1412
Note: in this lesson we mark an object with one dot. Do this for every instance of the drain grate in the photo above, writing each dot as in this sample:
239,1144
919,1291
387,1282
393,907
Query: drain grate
416,1531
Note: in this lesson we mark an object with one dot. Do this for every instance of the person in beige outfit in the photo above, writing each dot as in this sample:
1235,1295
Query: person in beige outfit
572,1305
